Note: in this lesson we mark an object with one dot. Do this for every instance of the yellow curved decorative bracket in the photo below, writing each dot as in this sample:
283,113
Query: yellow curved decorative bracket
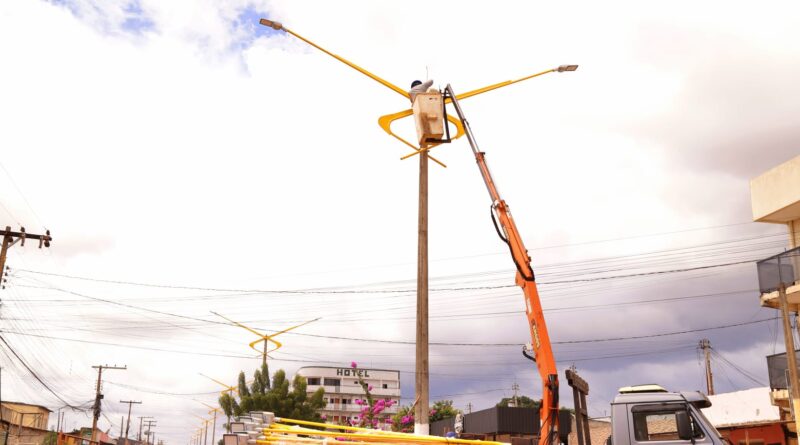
385,122
264,337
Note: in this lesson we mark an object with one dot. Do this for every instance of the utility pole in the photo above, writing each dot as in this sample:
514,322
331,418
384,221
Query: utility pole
98,396
705,345
791,357
10,238
128,426
149,432
469,408
214,428
139,436
421,422
204,429
214,424
515,387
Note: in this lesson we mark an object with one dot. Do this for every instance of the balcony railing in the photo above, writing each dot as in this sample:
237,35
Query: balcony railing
782,268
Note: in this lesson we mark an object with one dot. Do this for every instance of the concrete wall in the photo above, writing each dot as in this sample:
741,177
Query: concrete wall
22,435
775,195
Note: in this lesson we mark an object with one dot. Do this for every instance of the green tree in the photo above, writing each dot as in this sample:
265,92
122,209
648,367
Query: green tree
522,402
404,419
49,438
527,402
282,398
243,390
442,409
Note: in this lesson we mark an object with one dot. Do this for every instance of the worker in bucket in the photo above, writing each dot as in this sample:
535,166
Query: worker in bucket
417,87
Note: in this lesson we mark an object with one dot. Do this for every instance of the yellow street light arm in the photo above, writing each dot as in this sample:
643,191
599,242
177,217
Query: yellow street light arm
201,418
206,404
240,325
385,122
295,327
228,389
279,27
264,337
278,344
217,381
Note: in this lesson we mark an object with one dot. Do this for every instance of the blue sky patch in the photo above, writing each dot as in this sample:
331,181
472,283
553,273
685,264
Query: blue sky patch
136,21
247,25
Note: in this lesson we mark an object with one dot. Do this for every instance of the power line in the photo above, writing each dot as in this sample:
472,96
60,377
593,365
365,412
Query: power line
164,393
146,348
11,178
374,291
737,368
664,334
36,376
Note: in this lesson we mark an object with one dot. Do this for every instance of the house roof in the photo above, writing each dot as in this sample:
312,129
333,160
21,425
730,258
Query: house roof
25,404
751,406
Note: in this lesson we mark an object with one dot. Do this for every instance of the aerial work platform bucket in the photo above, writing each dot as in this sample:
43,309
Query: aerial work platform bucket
429,118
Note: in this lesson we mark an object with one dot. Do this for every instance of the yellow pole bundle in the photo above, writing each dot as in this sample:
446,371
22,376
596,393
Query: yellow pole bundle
290,431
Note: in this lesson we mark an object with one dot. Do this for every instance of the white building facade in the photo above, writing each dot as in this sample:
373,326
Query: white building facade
342,389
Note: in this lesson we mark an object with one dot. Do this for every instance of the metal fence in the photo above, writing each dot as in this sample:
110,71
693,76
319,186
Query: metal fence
782,268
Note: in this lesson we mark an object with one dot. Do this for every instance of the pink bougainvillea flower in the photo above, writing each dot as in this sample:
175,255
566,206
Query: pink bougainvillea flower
353,364
324,417
432,412
369,388
389,420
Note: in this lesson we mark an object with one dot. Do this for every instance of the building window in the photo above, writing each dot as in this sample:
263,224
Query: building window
385,386
333,382
313,381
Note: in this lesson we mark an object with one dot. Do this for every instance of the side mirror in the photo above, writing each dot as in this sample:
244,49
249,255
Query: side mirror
684,425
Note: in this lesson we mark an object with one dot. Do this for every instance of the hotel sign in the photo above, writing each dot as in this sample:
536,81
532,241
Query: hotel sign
346,372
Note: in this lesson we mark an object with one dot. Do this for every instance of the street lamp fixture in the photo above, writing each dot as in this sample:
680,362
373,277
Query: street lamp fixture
563,68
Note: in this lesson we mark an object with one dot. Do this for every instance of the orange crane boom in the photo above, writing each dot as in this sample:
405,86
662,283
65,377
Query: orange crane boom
540,340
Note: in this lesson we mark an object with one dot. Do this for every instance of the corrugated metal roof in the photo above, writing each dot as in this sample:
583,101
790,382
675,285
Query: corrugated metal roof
746,407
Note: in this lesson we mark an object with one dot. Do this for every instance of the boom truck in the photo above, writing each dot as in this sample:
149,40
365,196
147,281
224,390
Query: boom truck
639,414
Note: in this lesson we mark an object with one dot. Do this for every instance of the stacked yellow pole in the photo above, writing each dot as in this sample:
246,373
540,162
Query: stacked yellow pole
291,431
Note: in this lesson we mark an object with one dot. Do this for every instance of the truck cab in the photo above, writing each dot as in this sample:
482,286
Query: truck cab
650,415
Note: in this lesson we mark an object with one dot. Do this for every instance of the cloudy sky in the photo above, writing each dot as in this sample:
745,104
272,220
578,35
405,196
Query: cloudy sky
187,160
